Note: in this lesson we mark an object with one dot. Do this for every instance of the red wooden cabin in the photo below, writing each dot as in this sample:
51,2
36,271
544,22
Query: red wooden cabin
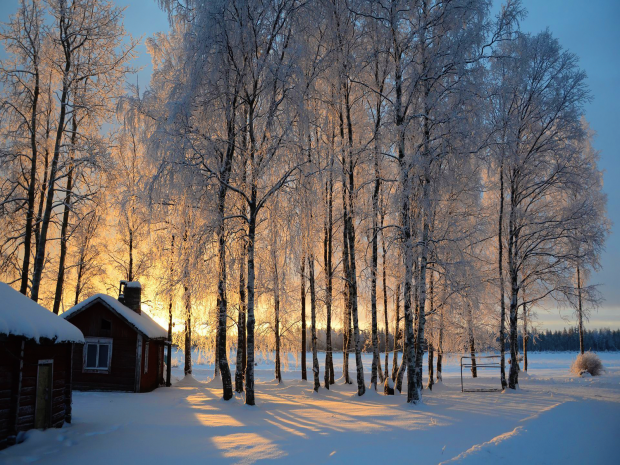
36,348
124,347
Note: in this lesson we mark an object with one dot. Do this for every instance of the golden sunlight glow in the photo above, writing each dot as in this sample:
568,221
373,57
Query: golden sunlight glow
247,447
208,419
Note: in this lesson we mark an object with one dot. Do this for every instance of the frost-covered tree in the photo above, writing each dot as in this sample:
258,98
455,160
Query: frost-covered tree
540,104
23,79
88,54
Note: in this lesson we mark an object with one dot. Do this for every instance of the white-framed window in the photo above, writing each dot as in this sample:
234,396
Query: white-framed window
97,354
146,357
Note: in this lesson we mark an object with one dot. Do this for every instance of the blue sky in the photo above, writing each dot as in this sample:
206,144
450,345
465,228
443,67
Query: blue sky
588,29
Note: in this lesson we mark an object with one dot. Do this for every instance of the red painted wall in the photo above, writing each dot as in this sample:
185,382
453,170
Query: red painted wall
121,375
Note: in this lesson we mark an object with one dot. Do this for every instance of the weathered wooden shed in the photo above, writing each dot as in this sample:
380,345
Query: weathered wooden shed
124,347
36,348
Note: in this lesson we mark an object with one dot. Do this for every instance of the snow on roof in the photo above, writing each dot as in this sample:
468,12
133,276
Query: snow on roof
134,284
142,322
21,316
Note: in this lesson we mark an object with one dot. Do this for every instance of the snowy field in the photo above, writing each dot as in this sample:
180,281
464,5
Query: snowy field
554,417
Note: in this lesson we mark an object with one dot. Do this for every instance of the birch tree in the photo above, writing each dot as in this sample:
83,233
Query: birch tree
23,78
89,41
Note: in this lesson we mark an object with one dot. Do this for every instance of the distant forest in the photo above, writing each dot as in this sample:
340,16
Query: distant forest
568,340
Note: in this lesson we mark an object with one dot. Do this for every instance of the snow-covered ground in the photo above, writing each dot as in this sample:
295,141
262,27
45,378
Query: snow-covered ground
554,417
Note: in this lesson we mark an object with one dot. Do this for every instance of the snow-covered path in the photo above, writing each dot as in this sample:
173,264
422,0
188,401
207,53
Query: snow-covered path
553,418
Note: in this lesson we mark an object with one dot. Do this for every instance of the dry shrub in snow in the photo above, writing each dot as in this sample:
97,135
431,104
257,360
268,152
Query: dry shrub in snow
587,362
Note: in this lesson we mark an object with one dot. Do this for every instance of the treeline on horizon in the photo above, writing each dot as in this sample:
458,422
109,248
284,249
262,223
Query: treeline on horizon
567,339
564,340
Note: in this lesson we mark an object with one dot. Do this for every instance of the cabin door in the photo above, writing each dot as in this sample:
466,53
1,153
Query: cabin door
43,406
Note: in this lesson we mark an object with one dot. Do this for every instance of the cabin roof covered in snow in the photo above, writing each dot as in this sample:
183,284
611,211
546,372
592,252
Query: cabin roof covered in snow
21,316
141,322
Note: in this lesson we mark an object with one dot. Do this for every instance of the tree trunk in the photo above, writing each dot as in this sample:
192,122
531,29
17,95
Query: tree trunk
169,355
242,349
385,303
396,334
241,346
78,282
65,223
431,375
327,260
502,314
39,260
526,336
130,270
373,301
253,212
375,259
404,366
346,317
350,232
472,351
304,331
169,358
225,169
188,332
32,181
42,200
579,313
419,343
405,225
440,346
222,315
249,367
415,382
63,244
276,300
513,376
216,370
431,312
416,386
472,341
361,387
315,359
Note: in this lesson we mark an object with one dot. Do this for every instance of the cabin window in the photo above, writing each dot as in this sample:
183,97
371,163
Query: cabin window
97,354
146,357
106,325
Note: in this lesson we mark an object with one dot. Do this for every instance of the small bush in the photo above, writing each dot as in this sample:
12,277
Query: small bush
587,362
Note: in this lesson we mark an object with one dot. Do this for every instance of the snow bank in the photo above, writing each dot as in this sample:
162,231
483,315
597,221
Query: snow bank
21,316
555,437
142,322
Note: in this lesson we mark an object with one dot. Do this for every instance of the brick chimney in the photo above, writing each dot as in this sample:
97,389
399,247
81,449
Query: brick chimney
130,295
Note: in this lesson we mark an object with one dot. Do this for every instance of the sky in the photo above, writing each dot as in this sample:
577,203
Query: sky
587,28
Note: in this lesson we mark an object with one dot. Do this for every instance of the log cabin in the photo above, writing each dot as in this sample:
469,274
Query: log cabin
36,348
124,347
